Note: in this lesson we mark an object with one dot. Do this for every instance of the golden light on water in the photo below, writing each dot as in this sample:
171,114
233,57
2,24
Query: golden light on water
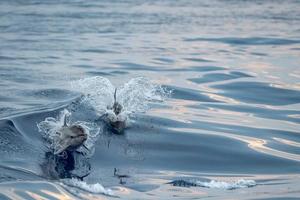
256,144
61,196
36,196
288,142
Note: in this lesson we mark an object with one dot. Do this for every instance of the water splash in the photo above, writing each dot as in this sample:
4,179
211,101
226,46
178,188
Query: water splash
242,183
96,188
98,91
232,185
134,95
50,126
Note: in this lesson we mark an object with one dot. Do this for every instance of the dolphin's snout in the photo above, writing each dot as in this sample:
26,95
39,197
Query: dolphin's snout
72,138
84,136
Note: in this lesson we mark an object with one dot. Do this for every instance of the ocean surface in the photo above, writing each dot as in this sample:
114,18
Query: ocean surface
212,90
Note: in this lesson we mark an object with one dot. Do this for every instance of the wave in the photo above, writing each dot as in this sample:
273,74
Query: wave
248,40
96,188
241,183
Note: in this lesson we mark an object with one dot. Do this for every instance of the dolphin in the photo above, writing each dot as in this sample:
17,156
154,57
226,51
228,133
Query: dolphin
117,107
72,164
115,118
70,137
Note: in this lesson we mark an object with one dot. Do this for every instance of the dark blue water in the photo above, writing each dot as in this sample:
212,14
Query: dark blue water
232,66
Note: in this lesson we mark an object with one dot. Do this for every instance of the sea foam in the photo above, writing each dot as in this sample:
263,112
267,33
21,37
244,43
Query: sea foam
96,188
214,184
242,183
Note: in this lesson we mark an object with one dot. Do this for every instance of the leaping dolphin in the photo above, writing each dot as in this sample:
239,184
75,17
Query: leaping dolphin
115,119
70,137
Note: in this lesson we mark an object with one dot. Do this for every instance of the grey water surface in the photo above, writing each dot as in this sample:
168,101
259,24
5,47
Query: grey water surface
232,66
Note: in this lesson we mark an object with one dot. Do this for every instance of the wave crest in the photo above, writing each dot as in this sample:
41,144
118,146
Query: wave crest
96,188
214,184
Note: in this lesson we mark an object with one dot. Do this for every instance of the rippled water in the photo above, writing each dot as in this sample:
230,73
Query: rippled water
232,67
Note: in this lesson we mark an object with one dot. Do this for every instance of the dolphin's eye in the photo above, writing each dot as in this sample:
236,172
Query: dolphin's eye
72,137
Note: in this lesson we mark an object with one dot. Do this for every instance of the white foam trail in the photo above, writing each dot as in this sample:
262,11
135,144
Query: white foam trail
231,185
50,126
242,183
96,188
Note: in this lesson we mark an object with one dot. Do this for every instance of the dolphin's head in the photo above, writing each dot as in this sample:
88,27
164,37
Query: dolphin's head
71,138
117,108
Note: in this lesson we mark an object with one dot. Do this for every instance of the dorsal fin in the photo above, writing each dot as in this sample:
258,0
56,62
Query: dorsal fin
65,121
115,95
